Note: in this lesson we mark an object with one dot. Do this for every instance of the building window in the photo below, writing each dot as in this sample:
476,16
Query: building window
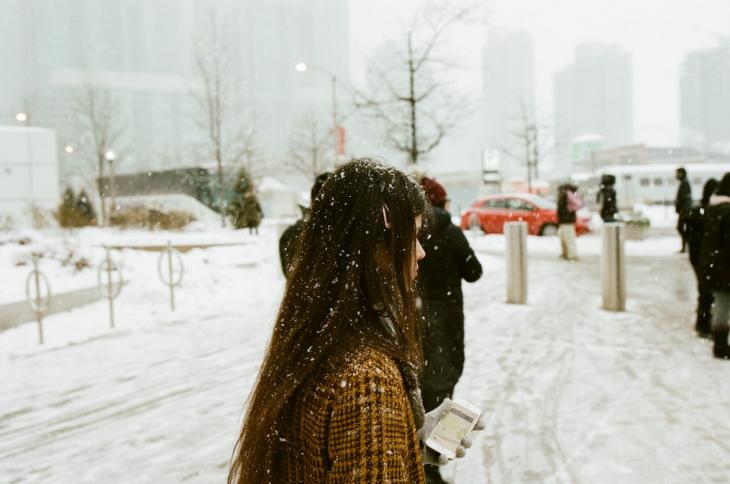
627,177
697,180
658,182
644,182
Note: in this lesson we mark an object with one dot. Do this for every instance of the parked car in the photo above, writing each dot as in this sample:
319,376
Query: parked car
491,213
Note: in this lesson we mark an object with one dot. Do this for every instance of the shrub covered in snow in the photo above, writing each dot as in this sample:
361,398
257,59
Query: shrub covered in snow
75,211
150,218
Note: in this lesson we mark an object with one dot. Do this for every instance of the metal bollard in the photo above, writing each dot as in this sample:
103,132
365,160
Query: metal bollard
613,267
174,274
109,290
516,238
39,301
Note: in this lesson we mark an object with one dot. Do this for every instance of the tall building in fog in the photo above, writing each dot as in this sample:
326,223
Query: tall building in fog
593,96
704,105
508,92
142,53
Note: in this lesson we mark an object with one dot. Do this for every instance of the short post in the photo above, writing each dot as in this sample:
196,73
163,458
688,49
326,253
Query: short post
109,281
516,238
171,277
169,267
109,290
38,302
613,267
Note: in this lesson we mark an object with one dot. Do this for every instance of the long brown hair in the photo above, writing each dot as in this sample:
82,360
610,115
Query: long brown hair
352,269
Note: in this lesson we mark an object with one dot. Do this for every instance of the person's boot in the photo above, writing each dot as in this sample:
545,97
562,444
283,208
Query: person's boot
702,327
721,349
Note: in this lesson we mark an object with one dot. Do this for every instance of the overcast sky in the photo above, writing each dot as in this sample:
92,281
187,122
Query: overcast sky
657,32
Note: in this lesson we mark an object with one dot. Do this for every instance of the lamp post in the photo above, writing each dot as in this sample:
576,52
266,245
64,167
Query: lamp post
303,67
110,157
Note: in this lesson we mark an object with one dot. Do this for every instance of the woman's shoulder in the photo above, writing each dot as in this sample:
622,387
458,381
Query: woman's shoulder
366,363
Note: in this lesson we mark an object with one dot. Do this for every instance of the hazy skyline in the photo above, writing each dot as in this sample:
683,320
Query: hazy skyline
657,33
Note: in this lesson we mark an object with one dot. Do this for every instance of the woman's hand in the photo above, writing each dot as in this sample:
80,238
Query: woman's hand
432,457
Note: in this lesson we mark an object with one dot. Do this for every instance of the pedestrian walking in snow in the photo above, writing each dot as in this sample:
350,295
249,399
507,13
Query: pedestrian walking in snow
607,198
568,204
290,237
449,259
715,263
695,232
337,397
682,205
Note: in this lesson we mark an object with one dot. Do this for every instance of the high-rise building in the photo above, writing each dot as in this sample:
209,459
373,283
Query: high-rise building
142,53
593,95
704,105
508,92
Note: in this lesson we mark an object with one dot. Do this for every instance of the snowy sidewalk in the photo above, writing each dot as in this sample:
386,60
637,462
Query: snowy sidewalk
572,393
576,394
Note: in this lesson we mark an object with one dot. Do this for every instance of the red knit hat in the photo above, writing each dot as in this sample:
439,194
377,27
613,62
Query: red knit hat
435,192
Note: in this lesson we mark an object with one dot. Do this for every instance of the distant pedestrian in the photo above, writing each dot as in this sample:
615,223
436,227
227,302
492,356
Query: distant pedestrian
337,397
568,204
290,237
607,198
695,232
449,259
252,213
715,264
682,205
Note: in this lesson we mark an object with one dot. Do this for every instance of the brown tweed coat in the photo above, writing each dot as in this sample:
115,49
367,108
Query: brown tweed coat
353,424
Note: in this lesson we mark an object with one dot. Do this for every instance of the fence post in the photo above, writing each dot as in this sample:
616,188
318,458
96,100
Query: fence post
613,267
516,239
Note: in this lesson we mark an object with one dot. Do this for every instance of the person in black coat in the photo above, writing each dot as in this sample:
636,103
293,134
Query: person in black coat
290,237
695,232
715,263
449,259
682,205
566,221
607,198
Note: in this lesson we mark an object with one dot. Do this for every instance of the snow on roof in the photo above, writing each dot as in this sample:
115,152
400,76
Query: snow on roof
587,137
271,184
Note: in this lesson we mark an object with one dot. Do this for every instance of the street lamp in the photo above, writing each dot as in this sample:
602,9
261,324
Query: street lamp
110,157
21,117
303,67
68,149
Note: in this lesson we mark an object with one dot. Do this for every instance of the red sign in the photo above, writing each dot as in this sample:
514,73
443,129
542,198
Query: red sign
340,141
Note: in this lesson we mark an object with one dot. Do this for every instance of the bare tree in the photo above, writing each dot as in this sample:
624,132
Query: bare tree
411,94
530,142
310,146
98,126
229,129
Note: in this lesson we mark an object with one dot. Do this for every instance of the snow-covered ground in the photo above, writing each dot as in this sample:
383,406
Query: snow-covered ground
571,393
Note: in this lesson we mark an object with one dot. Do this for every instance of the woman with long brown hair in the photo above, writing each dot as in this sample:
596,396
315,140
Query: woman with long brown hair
336,398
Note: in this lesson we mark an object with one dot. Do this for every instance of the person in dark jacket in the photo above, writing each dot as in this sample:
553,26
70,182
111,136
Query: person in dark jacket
715,263
449,259
682,205
607,198
566,221
288,240
695,232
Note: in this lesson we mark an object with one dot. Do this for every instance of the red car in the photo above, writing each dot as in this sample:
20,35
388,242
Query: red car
490,213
